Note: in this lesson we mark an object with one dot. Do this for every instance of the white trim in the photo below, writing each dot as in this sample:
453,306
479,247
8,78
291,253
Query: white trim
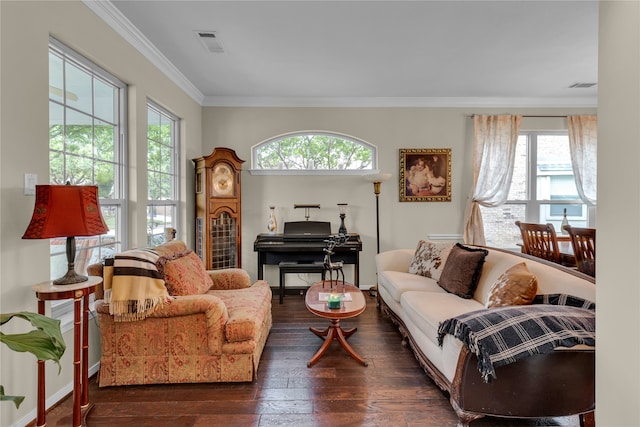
456,237
112,16
451,102
326,172
54,399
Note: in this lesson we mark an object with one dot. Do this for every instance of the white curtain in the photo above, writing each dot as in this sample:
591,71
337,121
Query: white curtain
583,144
493,159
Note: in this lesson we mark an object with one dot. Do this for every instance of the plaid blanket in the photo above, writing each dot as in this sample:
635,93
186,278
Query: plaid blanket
136,287
503,335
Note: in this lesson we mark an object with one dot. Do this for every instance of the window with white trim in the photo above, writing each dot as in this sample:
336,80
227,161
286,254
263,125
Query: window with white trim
313,152
162,174
87,110
542,187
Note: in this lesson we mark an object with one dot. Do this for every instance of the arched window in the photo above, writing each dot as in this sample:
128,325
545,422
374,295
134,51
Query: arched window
313,152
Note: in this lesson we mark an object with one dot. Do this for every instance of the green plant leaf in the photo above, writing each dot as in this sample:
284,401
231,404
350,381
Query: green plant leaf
17,400
45,342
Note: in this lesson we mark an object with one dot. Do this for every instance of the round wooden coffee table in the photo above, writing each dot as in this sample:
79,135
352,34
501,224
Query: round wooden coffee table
319,307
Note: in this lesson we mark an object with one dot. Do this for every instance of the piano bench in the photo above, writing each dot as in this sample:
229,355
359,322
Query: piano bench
294,267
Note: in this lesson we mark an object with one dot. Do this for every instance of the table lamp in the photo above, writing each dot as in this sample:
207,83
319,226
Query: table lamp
66,211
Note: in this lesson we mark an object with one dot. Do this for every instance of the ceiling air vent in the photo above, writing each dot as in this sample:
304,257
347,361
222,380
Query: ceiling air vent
582,85
210,40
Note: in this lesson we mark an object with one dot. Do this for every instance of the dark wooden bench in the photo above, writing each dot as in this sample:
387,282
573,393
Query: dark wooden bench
294,267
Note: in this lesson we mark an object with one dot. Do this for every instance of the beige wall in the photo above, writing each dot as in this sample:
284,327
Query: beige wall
389,129
24,36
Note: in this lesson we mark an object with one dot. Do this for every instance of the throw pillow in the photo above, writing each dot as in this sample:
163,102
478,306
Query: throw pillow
184,274
461,272
429,258
171,247
516,286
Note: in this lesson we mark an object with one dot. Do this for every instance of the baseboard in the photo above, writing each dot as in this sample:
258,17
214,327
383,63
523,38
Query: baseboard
54,399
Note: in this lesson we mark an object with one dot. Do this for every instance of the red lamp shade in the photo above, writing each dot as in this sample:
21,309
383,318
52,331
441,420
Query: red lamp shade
66,211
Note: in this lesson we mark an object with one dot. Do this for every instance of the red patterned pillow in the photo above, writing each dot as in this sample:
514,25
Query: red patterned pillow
184,274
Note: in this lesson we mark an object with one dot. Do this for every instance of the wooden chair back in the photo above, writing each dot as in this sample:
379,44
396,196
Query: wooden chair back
583,241
540,240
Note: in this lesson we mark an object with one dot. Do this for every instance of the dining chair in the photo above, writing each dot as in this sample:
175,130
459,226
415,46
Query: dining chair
539,240
583,241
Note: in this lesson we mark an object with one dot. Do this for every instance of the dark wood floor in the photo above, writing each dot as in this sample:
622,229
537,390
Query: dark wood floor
337,391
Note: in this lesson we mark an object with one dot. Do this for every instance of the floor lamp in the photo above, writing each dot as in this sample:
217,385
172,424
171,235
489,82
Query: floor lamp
377,179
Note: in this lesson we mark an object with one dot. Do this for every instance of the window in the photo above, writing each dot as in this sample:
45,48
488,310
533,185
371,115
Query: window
86,147
542,188
162,174
314,152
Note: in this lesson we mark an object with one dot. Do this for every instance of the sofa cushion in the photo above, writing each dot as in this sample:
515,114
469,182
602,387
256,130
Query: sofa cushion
397,282
516,286
462,270
427,311
247,308
429,258
184,273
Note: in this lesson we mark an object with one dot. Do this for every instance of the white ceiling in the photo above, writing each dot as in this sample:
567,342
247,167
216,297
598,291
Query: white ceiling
370,53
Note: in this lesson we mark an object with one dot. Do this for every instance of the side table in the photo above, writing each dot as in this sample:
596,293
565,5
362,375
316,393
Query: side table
79,292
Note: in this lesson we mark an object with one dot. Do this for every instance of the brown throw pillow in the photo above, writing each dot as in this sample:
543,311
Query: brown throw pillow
429,258
462,270
516,286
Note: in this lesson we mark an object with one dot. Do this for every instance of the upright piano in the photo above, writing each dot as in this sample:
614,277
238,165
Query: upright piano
304,242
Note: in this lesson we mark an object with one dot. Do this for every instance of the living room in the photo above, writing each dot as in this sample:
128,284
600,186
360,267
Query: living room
26,28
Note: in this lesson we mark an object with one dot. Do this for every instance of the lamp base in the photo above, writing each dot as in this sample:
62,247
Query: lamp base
70,278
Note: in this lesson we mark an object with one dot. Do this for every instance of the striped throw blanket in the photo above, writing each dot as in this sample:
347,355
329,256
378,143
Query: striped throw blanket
503,335
136,287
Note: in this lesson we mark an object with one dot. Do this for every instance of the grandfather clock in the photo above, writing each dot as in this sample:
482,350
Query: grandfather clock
218,212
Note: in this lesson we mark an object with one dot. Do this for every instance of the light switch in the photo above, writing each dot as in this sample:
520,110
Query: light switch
30,181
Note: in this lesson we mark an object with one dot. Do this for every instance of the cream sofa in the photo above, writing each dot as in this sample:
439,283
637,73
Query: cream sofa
545,385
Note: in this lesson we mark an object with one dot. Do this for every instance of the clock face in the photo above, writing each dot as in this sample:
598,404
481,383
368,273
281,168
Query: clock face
222,181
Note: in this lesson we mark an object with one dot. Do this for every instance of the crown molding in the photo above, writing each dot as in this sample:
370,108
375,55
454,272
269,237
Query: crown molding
441,102
121,25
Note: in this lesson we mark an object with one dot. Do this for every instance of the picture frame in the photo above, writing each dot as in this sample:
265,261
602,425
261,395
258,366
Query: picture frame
425,174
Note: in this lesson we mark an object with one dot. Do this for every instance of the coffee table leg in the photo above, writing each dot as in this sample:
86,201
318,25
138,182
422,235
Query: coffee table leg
335,331
348,332
320,332
331,334
343,342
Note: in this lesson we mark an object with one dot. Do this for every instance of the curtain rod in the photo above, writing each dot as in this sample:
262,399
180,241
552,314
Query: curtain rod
524,115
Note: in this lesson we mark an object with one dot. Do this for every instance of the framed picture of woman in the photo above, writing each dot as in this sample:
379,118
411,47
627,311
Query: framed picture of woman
425,174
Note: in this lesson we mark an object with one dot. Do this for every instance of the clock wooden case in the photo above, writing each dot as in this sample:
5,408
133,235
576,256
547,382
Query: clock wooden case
218,209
